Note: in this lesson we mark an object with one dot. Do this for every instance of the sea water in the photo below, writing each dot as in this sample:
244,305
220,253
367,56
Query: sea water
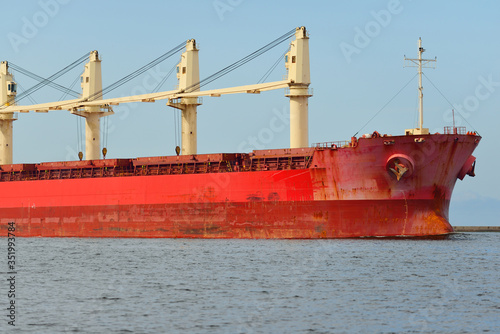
71,285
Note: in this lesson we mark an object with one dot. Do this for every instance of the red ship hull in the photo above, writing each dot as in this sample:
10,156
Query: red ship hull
386,186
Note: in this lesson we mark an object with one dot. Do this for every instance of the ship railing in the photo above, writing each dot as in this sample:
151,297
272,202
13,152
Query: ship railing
222,166
279,163
333,144
455,130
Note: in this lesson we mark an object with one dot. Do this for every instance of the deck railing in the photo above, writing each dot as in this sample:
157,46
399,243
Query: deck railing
455,130
243,163
333,144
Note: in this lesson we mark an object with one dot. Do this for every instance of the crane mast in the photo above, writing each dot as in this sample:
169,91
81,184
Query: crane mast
91,82
8,91
188,74
299,78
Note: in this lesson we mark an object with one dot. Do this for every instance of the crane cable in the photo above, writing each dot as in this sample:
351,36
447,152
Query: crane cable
79,134
136,73
451,104
269,71
41,79
240,62
157,88
176,127
48,80
70,89
29,96
385,105
105,134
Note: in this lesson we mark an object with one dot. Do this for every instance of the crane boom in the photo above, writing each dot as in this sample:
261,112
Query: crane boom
42,107
150,97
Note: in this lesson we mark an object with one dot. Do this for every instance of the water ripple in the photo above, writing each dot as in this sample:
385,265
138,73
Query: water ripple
258,286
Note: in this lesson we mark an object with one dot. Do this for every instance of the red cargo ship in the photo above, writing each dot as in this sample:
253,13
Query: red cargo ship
372,186
331,191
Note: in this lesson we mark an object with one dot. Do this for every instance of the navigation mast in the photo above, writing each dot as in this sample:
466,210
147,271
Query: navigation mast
420,63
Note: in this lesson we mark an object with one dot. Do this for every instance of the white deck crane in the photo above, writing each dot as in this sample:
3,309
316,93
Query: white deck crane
8,91
297,63
92,107
188,74
91,82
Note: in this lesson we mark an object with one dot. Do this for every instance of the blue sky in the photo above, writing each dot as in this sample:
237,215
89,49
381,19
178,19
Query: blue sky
356,51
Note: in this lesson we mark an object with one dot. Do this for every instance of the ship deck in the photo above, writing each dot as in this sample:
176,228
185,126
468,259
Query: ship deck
263,160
